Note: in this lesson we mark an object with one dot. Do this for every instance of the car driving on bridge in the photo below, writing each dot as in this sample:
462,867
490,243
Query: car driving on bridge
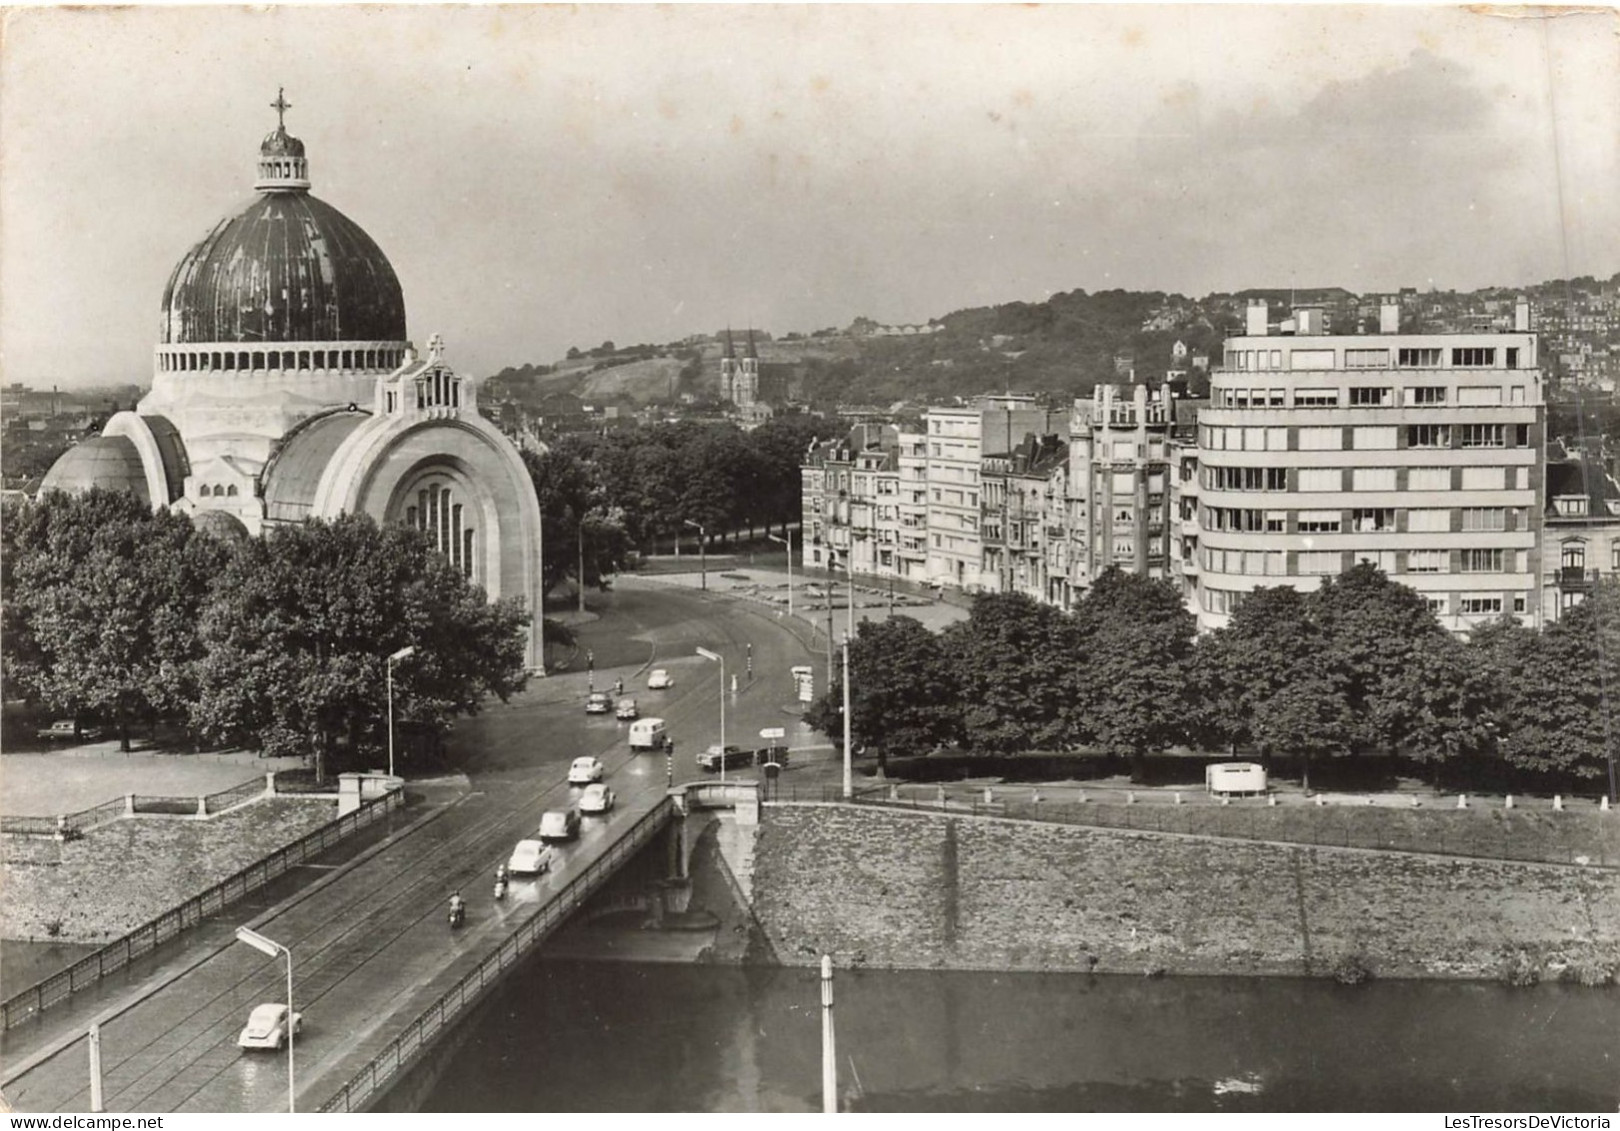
597,798
659,680
724,757
530,858
598,703
585,770
267,1027
559,824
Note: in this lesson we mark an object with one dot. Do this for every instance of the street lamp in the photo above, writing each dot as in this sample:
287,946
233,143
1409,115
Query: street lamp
788,542
849,783
403,654
272,948
721,660
703,553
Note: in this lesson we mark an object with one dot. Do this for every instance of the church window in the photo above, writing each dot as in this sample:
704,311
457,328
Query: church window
467,552
231,490
303,359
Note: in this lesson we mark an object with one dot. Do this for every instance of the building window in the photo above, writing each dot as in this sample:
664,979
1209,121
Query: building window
1372,520
1316,398
1428,479
1366,359
1485,396
1418,358
1521,435
1484,478
1319,522
1428,521
1310,359
1373,479
1427,561
1480,436
1320,479
1373,439
1371,397
1276,522
1472,606
1316,563
1322,439
1428,435
1473,357
1483,561
1436,605
1426,394
1489,519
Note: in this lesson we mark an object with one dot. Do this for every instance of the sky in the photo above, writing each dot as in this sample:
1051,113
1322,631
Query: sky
542,177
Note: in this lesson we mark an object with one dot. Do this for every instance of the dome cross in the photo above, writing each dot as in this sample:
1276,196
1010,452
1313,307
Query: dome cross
281,106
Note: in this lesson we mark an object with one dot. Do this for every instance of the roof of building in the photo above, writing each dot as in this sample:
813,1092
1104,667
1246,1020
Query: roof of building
100,461
286,267
1577,475
294,472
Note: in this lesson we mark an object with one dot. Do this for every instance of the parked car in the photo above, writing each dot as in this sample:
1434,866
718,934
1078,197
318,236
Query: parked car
267,1027
727,757
559,824
625,709
62,730
585,770
597,798
659,680
598,703
530,858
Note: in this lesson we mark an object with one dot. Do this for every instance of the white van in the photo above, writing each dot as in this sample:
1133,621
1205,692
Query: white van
647,734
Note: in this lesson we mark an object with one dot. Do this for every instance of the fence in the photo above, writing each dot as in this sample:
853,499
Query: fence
1543,837
370,1082
108,811
145,938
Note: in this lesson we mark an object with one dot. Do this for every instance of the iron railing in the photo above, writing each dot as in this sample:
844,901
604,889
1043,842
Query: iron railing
116,955
108,811
370,1083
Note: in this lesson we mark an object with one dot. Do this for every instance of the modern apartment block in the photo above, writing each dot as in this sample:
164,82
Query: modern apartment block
1421,453
957,439
1119,486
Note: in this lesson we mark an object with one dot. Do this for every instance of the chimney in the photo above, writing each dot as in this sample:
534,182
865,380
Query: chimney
1521,315
1257,318
1389,316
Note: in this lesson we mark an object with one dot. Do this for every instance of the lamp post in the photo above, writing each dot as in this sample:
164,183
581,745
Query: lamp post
272,948
788,542
703,553
849,783
721,660
403,654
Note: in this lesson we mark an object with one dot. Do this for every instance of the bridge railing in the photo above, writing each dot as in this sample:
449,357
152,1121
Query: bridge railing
372,1080
121,952
719,794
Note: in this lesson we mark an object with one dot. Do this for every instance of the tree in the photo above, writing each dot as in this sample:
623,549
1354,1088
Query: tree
1437,706
1270,643
102,597
904,697
304,619
1308,716
578,526
1137,637
1007,657
1370,626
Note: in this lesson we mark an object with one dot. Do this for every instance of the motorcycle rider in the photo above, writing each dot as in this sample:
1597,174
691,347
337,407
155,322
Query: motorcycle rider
458,910
500,882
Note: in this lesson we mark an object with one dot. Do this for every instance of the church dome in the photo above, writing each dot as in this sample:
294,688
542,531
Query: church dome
285,268
101,461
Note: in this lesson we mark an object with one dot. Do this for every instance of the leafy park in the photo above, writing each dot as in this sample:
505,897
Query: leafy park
1357,670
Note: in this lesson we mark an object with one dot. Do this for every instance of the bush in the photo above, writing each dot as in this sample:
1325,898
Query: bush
1351,970
1519,969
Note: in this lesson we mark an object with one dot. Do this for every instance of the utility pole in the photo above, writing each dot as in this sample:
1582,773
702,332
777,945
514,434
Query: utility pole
829,1044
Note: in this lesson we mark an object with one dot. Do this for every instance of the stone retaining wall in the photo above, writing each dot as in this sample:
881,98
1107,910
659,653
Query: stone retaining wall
927,890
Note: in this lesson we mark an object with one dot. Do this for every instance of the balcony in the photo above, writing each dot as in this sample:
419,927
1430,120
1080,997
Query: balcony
1576,578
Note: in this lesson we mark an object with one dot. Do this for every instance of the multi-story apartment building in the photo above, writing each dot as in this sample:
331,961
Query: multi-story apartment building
957,438
1581,533
1119,485
1421,453
1022,515
911,553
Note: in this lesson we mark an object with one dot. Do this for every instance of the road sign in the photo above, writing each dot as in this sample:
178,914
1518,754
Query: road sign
773,732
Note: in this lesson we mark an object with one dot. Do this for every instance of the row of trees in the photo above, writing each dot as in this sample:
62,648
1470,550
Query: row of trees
1357,665
600,496
117,615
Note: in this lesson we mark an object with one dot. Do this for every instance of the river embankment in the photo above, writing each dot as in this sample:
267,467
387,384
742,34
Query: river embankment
939,890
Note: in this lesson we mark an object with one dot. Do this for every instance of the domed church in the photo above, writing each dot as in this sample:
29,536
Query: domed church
284,388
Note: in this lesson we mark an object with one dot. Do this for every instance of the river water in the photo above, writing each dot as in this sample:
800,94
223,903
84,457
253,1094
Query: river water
610,1036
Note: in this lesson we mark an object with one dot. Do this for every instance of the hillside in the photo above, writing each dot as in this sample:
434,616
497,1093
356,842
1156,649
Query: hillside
1062,346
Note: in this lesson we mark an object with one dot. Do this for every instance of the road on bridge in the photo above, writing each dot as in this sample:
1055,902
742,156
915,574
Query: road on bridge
370,943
